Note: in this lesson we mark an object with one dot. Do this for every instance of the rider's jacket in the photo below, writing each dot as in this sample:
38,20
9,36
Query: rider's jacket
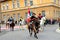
33,18
32,21
39,17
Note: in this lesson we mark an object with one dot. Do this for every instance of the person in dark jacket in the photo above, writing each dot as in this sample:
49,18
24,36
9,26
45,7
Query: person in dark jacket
12,26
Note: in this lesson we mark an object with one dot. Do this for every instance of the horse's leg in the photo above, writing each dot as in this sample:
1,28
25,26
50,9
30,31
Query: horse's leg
35,33
37,29
12,28
34,29
6,25
30,30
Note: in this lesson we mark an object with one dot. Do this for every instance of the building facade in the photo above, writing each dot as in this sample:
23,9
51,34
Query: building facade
19,8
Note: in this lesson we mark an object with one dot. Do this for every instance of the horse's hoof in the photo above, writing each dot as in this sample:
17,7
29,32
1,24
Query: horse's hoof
30,34
35,36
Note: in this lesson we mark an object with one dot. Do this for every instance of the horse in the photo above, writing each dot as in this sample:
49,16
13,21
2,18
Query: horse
12,24
34,27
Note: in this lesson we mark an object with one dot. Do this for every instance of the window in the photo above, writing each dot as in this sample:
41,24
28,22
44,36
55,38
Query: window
7,6
4,17
18,15
18,4
31,2
43,13
3,7
14,16
13,3
25,2
54,1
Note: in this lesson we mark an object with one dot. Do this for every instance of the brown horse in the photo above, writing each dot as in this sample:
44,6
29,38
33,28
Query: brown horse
34,27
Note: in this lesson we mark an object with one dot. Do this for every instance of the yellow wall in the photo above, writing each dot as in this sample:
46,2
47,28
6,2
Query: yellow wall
49,10
35,2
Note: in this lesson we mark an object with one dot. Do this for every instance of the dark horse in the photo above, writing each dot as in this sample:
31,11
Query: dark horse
12,26
34,27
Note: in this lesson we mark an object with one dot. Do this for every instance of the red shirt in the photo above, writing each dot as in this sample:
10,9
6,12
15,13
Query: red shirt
39,16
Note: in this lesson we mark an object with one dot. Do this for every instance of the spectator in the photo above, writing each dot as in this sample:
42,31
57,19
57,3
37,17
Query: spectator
59,22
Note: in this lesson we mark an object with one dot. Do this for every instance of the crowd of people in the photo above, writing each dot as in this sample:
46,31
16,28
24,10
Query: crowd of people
34,23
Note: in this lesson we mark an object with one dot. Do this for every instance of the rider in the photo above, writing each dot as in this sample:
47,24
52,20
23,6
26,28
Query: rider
39,16
10,20
33,18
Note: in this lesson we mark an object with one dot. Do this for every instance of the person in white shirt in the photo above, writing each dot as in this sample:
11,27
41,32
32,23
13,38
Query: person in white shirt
42,21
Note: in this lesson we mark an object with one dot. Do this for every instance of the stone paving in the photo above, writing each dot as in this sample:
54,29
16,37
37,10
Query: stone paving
49,33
